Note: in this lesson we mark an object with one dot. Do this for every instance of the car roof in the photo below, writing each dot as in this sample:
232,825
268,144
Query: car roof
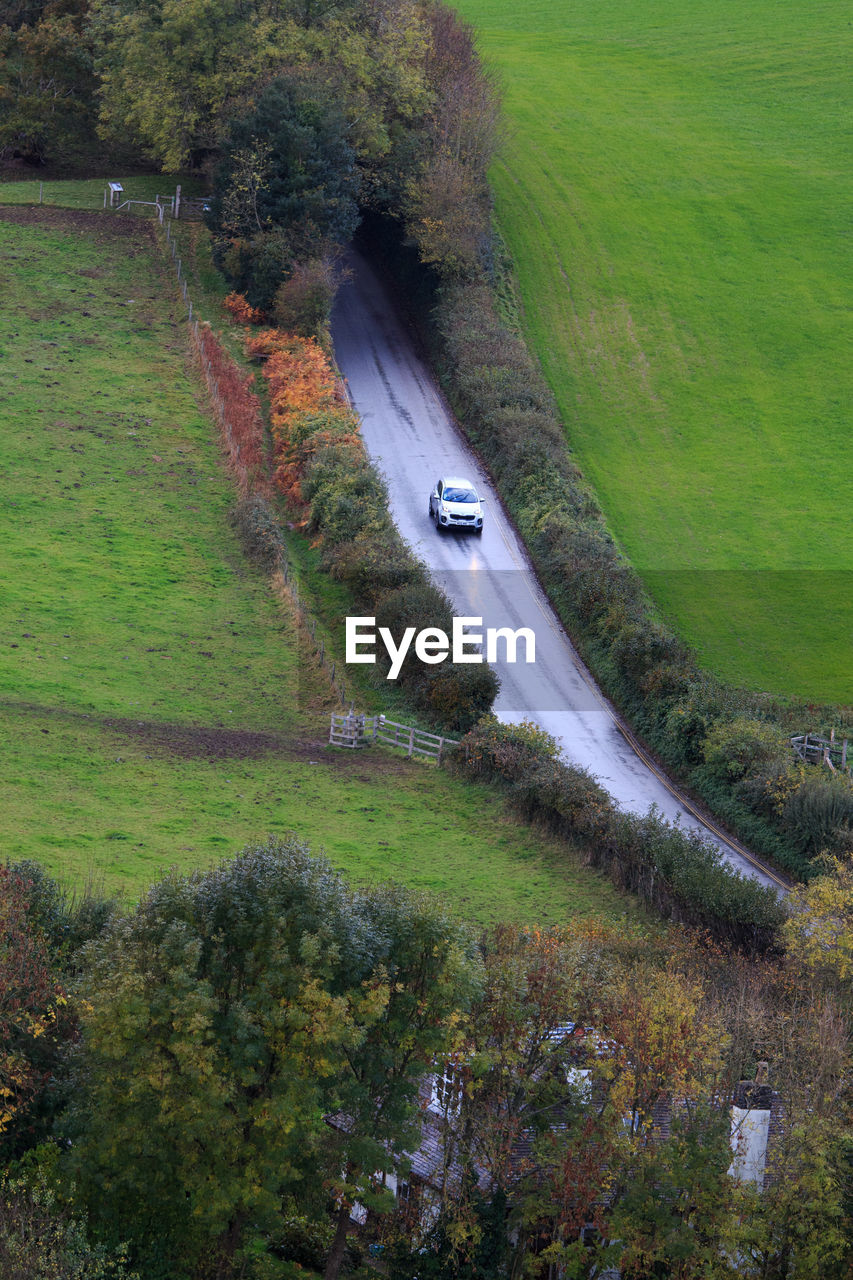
458,482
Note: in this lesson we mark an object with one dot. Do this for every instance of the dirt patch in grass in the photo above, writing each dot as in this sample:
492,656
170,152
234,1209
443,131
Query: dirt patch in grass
203,742
210,742
80,220
216,742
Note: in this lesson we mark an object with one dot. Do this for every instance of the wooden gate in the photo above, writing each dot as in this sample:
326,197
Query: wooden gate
356,731
816,750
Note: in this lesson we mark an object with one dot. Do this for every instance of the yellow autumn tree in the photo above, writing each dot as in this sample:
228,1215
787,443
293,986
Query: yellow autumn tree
818,934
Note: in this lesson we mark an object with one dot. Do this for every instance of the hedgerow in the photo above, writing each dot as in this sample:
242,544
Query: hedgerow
323,470
680,874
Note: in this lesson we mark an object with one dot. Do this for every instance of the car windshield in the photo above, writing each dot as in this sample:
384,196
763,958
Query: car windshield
459,495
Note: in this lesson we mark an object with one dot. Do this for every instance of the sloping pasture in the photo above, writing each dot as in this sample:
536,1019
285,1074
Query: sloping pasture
154,710
674,189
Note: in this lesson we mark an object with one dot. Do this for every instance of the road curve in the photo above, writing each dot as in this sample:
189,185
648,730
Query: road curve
413,439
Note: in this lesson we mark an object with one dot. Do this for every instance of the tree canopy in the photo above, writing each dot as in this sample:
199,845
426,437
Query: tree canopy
228,1016
286,189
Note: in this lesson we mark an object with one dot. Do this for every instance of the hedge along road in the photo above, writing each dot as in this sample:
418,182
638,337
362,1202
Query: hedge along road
413,439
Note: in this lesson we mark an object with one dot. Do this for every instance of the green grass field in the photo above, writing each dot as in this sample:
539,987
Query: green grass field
674,189
104,800
154,710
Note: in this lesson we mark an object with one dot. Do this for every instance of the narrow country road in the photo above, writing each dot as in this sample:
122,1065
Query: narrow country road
411,437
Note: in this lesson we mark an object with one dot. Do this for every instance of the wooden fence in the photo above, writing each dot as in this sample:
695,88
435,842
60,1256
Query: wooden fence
356,731
816,750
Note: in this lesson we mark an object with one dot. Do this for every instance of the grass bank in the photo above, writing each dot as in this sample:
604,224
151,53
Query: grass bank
153,706
122,801
673,190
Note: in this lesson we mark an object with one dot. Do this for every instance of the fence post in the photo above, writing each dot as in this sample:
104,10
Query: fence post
41,191
178,201
411,740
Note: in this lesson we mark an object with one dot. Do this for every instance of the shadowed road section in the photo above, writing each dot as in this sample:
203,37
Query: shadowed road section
411,437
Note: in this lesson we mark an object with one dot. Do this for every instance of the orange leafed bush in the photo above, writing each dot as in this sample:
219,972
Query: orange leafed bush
307,411
242,311
264,343
298,372
299,383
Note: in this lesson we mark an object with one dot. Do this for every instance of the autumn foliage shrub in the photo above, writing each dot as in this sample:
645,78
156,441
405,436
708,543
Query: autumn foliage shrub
242,311
323,470
36,1019
304,301
678,873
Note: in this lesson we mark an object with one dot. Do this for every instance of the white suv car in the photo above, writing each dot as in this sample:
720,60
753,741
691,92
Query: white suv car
454,504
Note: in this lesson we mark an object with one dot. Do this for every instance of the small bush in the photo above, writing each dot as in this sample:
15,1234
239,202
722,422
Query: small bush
67,920
818,813
734,748
259,532
371,566
416,604
301,1240
237,306
459,695
303,302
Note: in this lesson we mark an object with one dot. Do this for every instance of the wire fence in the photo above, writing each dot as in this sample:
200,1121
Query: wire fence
139,197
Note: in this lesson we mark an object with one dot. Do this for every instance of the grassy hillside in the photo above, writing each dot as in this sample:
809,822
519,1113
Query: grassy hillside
673,189
153,708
